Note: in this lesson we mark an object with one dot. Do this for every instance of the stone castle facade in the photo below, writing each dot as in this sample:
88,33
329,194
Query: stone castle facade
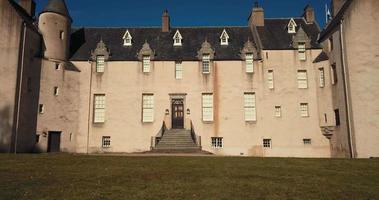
274,88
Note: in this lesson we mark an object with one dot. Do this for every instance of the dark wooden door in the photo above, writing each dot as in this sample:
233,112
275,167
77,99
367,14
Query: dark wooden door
54,142
177,113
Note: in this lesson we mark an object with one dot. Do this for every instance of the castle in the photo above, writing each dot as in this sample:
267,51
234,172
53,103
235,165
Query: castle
277,87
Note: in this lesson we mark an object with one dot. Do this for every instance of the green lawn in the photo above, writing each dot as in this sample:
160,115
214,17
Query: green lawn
100,177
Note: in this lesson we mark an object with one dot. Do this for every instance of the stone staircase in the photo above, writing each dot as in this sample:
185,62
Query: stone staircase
177,141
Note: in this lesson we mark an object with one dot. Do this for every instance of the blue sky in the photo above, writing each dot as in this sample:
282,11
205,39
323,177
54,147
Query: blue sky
123,13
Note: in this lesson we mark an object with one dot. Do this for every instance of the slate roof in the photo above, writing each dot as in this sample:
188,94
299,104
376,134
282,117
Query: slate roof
84,40
321,57
274,34
57,6
24,15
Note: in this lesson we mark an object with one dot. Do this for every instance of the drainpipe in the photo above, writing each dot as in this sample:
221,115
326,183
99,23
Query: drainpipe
346,90
89,108
20,87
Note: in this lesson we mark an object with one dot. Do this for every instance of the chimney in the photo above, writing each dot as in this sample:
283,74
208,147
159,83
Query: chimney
29,6
257,16
309,14
165,22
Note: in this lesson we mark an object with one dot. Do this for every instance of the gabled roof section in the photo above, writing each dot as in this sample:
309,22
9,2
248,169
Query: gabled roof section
224,34
57,6
321,57
291,24
127,35
177,35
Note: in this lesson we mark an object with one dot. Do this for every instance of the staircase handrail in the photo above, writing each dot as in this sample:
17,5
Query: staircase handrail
195,138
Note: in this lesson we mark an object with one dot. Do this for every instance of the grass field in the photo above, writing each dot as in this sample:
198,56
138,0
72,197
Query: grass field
98,177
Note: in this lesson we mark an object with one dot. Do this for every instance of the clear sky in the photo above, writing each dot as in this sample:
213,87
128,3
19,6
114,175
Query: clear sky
124,13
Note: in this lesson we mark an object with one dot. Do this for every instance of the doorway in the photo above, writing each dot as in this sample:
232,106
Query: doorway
177,114
54,142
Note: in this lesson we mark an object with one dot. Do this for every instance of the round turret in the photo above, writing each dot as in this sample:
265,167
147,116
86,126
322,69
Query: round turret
55,26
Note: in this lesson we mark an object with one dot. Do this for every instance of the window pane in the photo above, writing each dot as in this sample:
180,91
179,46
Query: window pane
206,63
178,70
302,79
100,60
99,108
270,79
146,63
207,107
304,110
249,63
147,108
249,107
322,77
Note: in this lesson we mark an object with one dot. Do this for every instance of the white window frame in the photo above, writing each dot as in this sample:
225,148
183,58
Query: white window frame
128,39
321,72
207,107
217,142
250,107
249,62
292,26
100,64
106,142
302,51
304,109
224,38
99,108
206,64
147,108
267,143
278,111
270,79
178,70
146,63
302,79
178,39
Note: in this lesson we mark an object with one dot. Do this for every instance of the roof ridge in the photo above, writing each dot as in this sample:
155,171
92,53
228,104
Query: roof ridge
154,27
284,18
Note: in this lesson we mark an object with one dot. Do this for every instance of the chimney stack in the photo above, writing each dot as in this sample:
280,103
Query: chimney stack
29,6
165,22
309,14
257,16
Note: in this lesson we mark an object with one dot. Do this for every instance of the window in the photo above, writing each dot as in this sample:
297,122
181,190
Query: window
267,143
307,141
57,66
37,138
249,63
331,45
99,108
61,35
270,79
278,111
178,70
100,64
178,39
207,107
304,110
302,51
146,64
206,64
321,73
302,79
292,26
41,108
127,38
56,91
249,107
217,142
106,142
224,38
334,74
337,116
147,108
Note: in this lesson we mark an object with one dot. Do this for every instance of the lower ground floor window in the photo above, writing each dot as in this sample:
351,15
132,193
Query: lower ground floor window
217,142
307,141
106,142
267,143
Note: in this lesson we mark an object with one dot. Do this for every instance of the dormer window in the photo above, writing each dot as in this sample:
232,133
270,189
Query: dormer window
146,64
100,64
292,26
127,38
224,38
178,39
206,64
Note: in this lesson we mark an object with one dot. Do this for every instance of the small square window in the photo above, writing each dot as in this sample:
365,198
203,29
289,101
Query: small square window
106,142
307,141
267,143
56,91
217,142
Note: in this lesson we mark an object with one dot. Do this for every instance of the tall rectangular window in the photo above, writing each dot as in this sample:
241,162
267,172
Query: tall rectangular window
41,108
321,73
206,64
302,79
146,64
334,74
267,143
100,64
56,91
61,35
249,107
208,107
278,111
302,51
304,110
178,70
270,79
147,108
337,117
99,108
249,63
217,142
106,142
